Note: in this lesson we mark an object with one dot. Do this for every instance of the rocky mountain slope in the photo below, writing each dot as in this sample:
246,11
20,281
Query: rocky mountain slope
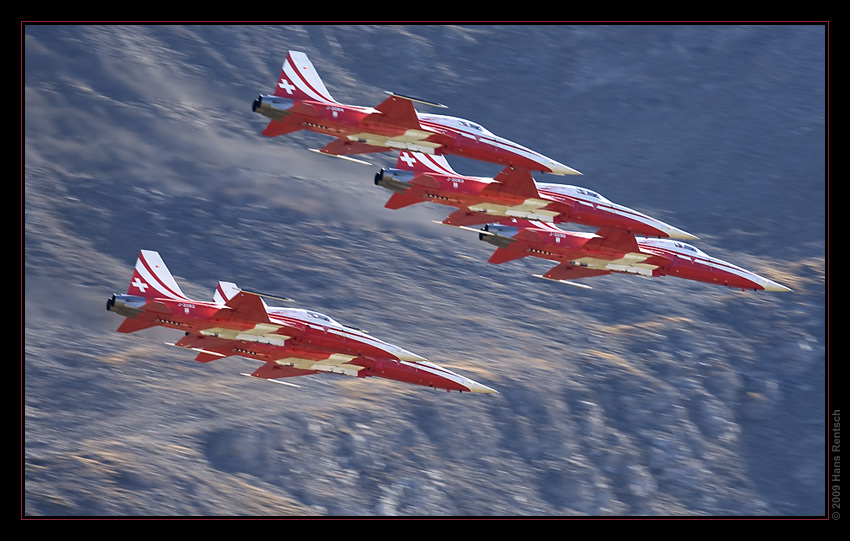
650,397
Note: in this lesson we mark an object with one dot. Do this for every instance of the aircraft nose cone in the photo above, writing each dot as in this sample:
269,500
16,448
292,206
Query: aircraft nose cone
475,387
561,169
676,233
770,285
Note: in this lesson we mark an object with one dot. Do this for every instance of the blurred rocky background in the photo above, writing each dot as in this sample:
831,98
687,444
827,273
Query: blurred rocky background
638,397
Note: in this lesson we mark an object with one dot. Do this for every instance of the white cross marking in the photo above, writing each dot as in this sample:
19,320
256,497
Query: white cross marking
284,84
139,284
409,160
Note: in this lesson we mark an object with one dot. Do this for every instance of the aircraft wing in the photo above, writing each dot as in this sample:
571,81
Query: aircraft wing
567,271
244,305
467,217
280,361
396,111
513,182
346,147
614,239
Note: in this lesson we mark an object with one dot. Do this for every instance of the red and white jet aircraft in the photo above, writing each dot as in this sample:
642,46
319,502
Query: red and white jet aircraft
301,102
513,193
581,255
288,341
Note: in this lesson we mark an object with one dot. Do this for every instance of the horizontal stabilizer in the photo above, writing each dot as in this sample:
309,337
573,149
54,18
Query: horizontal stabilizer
503,255
399,200
132,325
277,127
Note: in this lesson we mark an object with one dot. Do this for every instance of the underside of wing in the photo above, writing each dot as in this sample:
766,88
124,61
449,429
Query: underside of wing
346,147
567,271
467,217
280,361
273,370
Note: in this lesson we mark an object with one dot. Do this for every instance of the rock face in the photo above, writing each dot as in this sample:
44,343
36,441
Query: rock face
650,397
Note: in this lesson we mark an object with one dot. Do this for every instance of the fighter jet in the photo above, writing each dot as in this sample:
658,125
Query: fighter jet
582,255
302,102
288,341
419,178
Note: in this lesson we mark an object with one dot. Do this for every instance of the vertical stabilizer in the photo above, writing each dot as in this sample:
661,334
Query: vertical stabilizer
300,81
424,163
225,291
151,278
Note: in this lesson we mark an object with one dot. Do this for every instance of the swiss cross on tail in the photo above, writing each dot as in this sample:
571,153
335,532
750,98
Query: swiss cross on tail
299,80
151,278
424,163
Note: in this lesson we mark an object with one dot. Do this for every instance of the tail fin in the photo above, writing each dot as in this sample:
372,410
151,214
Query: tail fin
151,278
225,291
299,80
424,163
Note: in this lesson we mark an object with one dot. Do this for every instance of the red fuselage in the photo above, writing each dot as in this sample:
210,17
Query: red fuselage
583,254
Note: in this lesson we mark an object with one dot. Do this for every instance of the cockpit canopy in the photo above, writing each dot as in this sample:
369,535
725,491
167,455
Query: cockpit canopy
676,246
458,123
574,191
308,315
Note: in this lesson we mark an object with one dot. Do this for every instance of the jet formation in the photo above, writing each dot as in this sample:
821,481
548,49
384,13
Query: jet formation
609,250
520,216
300,101
289,342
